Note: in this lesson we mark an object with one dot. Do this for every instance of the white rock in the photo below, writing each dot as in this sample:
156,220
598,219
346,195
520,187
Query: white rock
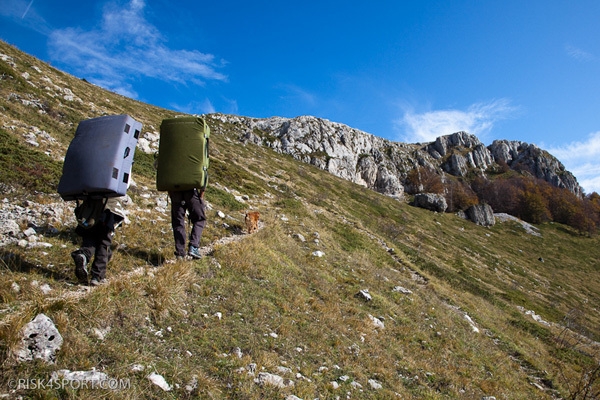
364,294
473,326
265,378
159,381
192,384
45,288
377,323
374,384
299,237
137,367
402,290
40,339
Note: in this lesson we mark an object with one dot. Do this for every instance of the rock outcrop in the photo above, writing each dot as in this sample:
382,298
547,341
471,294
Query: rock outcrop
526,157
430,201
383,165
481,214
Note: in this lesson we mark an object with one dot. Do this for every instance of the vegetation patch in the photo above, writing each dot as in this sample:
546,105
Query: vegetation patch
29,169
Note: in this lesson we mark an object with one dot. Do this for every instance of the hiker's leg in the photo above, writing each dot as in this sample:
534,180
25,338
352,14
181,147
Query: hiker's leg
197,218
103,251
88,244
178,221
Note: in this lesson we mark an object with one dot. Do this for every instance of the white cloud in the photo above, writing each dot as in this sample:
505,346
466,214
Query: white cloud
478,119
297,94
578,54
22,13
206,107
581,159
125,47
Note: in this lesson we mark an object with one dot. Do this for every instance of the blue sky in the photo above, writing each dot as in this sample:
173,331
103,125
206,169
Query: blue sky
407,71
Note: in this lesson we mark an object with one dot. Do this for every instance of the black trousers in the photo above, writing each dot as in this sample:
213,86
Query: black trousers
97,242
190,201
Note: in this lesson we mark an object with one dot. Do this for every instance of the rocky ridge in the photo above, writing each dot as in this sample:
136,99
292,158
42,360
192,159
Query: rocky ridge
384,165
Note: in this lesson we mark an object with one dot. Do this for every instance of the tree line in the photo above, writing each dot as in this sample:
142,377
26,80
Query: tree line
521,195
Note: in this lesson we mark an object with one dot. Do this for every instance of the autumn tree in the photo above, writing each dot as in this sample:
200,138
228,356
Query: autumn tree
459,196
424,180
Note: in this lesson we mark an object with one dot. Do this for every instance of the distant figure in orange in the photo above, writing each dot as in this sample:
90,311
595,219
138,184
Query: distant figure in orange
251,219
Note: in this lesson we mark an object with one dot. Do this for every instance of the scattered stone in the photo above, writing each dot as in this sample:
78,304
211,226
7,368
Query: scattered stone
101,333
470,321
137,368
159,381
431,201
284,370
192,384
265,378
299,237
377,323
40,339
530,229
251,368
364,294
481,214
402,290
374,384
45,288
238,352
29,232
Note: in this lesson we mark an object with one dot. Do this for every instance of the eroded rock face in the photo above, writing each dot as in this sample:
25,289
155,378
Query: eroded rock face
481,214
530,158
431,201
383,165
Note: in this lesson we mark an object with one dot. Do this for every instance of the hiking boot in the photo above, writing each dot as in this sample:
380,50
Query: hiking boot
81,270
98,281
194,253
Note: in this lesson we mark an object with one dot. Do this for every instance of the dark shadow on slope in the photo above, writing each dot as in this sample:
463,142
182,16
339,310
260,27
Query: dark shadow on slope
16,263
151,257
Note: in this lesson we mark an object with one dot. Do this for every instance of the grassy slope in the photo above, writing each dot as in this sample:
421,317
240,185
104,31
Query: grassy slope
282,306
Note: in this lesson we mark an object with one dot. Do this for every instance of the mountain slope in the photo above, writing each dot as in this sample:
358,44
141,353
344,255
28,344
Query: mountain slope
343,291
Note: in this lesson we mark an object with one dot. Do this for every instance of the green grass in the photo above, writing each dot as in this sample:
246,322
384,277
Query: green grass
25,168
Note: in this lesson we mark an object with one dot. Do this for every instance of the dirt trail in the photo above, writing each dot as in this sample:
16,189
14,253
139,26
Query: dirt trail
77,291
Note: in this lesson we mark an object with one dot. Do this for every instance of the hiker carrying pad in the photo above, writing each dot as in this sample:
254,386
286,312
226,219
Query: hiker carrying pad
183,154
89,212
99,158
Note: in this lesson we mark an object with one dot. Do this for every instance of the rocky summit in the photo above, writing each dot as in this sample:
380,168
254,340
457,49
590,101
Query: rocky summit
384,165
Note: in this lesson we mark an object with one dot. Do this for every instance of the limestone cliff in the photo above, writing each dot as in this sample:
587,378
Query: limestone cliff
383,165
